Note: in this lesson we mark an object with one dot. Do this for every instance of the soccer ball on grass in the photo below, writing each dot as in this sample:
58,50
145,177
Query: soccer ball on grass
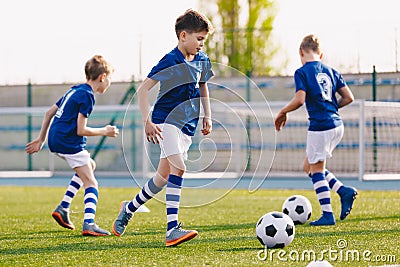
298,208
275,230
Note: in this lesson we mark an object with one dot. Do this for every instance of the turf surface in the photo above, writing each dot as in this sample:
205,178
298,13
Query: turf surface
370,236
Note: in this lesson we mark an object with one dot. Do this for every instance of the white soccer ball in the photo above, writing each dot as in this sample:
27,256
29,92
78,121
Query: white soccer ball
323,263
275,230
298,208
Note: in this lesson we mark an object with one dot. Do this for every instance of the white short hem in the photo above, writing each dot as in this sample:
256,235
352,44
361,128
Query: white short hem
174,141
76,160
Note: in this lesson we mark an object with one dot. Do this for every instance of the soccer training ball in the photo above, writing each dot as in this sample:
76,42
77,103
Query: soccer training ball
298,208
275,230
323,263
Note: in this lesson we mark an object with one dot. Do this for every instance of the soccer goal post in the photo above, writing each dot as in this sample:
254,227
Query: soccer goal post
379,140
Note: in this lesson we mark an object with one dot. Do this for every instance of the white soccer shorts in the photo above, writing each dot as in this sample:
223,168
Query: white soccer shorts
320,144
174,142
76,160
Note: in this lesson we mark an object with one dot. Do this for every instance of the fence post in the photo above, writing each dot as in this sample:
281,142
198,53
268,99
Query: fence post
361,138
29,104
248,119
374,130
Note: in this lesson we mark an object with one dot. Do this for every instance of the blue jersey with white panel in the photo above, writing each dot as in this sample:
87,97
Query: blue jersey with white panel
63,137
178,101
320,82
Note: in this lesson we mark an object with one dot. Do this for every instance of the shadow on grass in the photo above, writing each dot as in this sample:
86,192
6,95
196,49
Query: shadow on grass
52,242
255,248
83,246
36,235
372,218
217,227
335,232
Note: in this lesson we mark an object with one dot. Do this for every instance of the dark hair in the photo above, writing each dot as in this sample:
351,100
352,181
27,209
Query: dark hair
192,21
96,66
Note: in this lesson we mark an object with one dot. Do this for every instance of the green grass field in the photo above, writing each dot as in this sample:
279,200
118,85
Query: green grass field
30,237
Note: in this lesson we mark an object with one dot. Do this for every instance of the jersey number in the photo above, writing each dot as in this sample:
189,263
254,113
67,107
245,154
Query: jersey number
326,83
60,110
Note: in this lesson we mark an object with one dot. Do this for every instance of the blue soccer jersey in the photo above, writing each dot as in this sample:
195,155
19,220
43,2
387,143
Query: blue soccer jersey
63,137
320,82
178,102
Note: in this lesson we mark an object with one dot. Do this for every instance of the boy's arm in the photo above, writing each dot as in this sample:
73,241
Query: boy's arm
205,101
152,131
143,97
297,101
84,130
37,144
346,96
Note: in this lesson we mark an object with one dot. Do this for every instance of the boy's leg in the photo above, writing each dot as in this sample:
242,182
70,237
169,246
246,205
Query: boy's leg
175,234
61,213
322,190
173,198
72,189
151,188
347,194
90,200
334,183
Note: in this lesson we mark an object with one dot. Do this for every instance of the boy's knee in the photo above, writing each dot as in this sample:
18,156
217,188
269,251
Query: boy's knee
93,164
306,166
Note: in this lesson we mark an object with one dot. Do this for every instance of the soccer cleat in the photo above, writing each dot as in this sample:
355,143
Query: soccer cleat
93,230
62,217
347,197
119,225
325,219
179,235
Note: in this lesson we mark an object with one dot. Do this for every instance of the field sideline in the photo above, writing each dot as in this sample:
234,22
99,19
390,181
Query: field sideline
30,237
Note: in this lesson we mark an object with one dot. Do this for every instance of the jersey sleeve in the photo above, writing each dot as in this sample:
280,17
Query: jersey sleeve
207,72
85,103
299,81
340,81
162,71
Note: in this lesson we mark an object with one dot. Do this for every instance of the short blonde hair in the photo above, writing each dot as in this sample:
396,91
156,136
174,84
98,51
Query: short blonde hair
96,66
311,43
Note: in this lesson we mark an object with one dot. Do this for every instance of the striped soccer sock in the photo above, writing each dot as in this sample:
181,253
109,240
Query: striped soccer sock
321,188
173,196
334,183
72,189
90,201
148,191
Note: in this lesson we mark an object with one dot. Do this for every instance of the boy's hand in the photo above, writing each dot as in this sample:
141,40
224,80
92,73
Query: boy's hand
280,121
153,132
207,126
34,146
111,131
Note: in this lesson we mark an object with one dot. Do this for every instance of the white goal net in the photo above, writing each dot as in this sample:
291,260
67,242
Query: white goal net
380,140
243,142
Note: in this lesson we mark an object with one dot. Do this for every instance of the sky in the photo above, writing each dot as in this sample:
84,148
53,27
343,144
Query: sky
49,41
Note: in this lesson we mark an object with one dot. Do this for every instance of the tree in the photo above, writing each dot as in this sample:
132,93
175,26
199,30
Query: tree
243,40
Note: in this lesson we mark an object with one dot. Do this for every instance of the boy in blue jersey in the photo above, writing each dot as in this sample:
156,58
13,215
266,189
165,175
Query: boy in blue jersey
317,85
67,120
182,74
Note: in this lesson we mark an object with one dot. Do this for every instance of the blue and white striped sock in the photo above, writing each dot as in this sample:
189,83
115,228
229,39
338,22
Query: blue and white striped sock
90,200
334,183
72,189
322,190
148,191
173,197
